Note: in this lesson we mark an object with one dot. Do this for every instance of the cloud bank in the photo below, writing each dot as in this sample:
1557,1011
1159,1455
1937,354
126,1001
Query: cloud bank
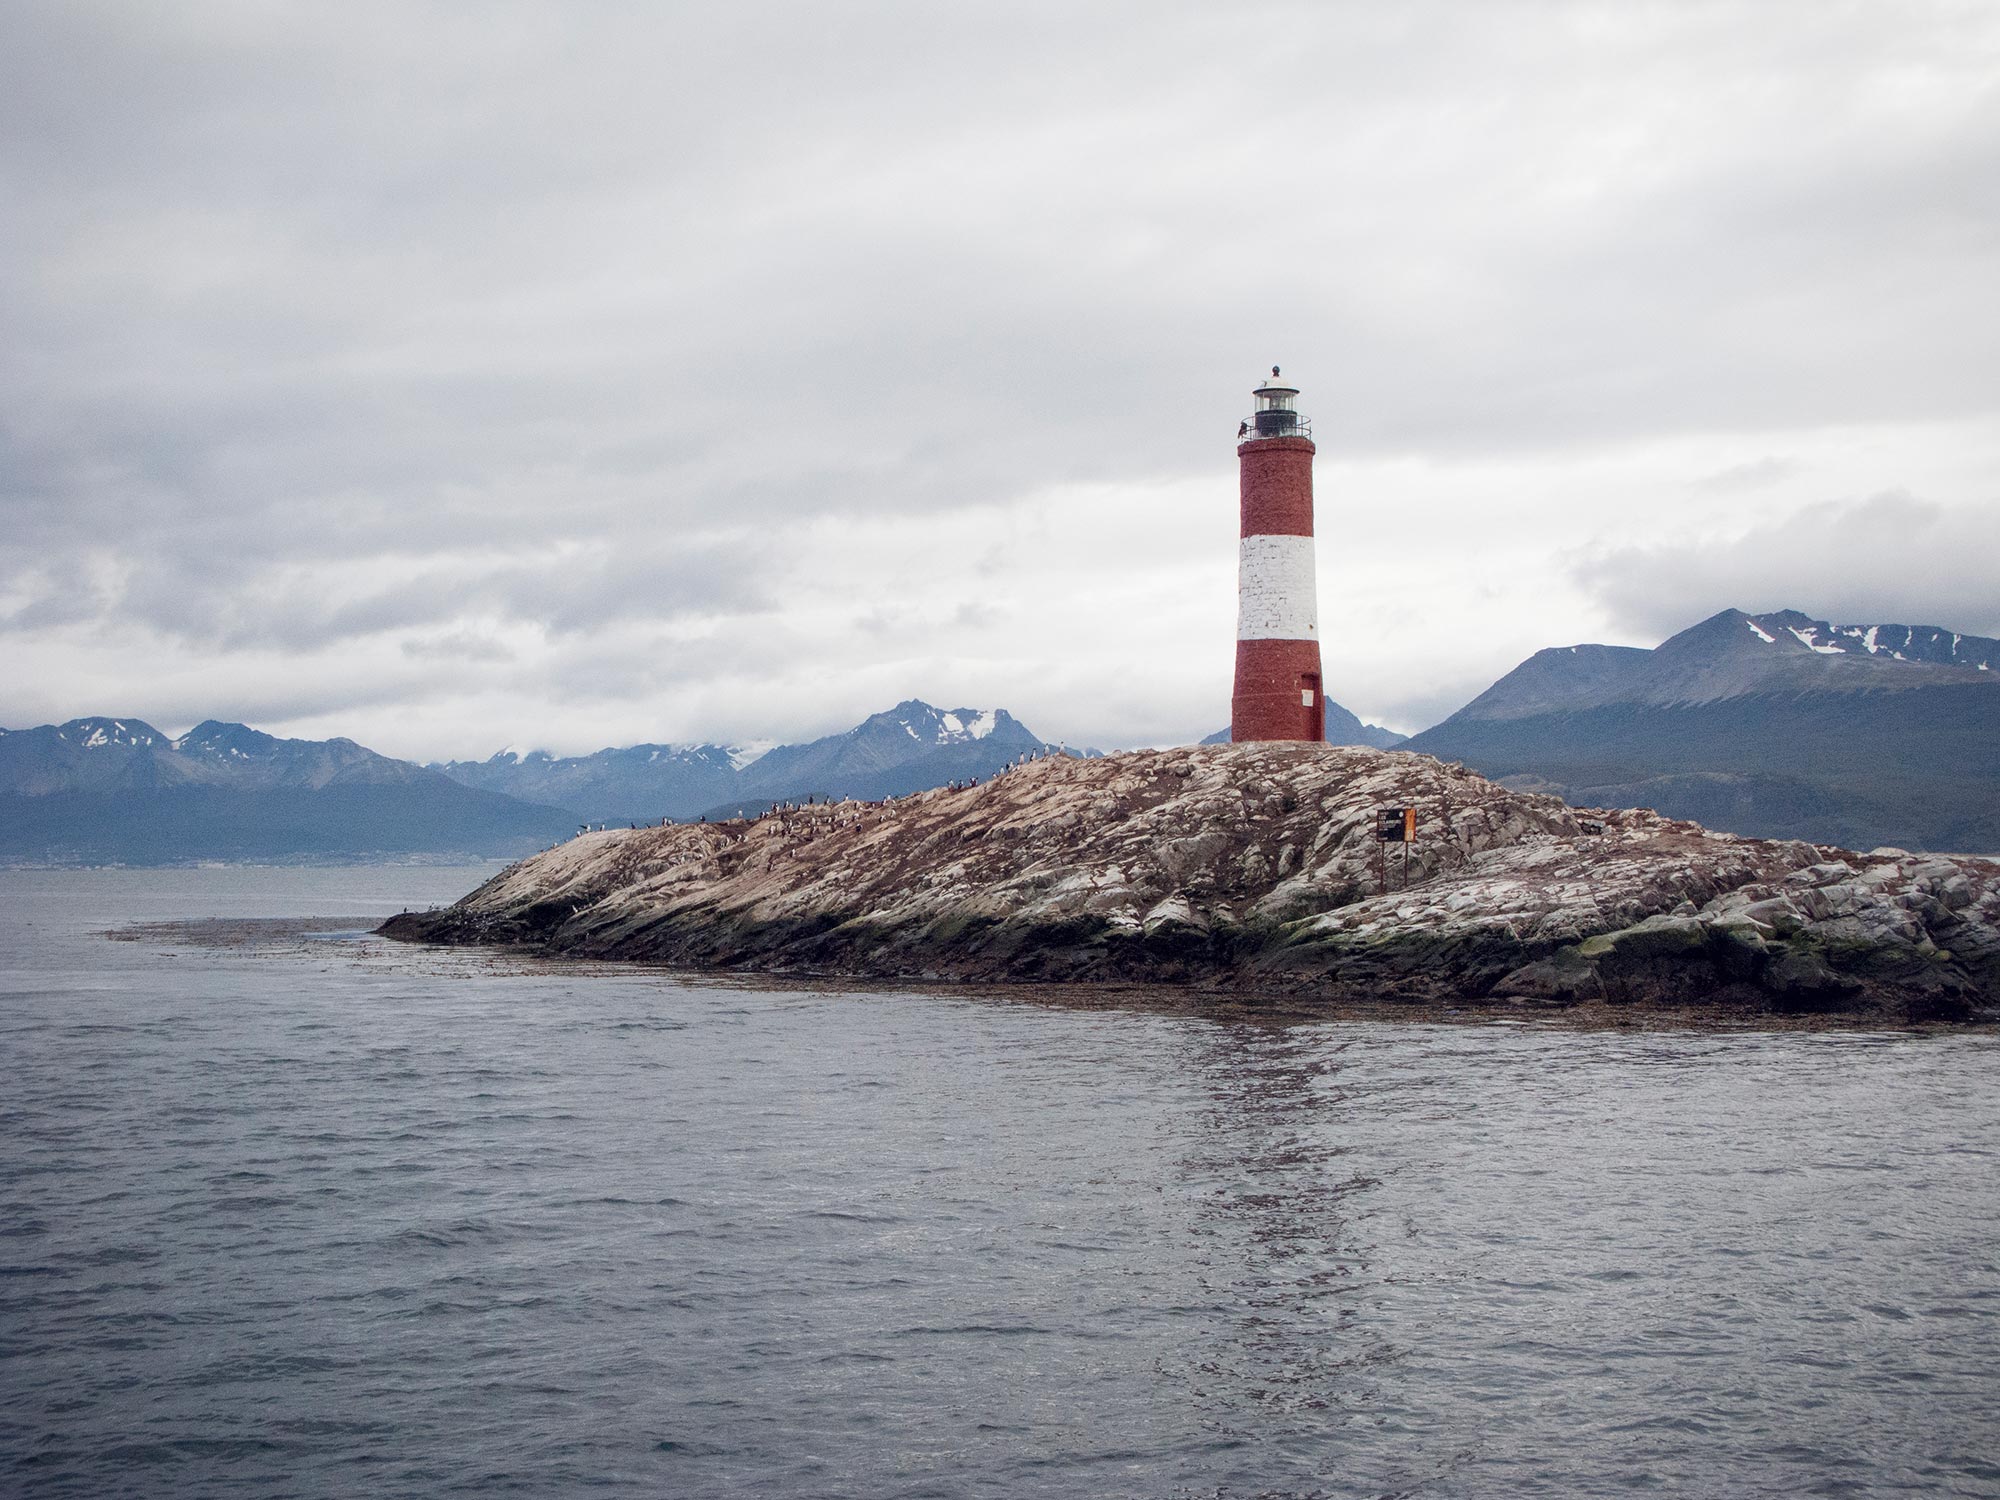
578,375
1916,551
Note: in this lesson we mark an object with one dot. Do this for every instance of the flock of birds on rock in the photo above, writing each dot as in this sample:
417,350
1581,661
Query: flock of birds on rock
784,810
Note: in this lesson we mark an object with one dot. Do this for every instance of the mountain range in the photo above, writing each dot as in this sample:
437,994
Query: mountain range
101,790
905,749
1776,725
107,790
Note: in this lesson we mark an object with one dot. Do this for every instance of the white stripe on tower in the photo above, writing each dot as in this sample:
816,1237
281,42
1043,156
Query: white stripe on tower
1277,594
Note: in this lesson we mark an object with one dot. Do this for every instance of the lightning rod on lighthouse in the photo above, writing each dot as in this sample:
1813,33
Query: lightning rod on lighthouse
1278,694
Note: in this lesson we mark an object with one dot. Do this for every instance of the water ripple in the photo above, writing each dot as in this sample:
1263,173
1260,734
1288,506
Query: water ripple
326,1216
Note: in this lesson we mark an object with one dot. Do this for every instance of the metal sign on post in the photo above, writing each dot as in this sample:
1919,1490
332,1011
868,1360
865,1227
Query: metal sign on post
1394,825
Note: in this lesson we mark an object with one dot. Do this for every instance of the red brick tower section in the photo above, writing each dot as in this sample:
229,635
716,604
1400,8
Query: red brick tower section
1278,694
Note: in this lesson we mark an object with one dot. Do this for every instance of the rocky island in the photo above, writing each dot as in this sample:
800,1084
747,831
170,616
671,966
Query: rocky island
1255,868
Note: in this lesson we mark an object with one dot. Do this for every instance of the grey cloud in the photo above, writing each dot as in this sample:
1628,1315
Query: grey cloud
459,645
1754,475
271,703
60,591
1875,561
655,580
571,314
185,592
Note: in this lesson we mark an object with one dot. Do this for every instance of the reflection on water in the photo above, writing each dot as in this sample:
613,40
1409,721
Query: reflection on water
332,1216
1279,1235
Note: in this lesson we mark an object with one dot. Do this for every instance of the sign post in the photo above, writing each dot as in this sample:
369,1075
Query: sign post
1393,825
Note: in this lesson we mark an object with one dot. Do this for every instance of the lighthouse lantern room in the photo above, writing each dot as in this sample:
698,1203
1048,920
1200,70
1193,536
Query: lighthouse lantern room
1278,694
1276,414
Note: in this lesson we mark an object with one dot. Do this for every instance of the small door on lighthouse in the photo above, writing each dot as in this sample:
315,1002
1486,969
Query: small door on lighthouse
1314,705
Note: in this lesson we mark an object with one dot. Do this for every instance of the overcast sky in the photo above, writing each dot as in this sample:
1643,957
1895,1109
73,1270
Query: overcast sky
559,374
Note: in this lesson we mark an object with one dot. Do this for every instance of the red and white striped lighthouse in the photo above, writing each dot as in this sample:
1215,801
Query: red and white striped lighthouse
1278,695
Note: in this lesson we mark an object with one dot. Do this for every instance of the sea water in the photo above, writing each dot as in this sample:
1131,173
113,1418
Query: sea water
333,1216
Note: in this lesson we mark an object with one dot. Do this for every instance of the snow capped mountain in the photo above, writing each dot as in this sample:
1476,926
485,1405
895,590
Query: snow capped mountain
100,753
1916,643
1732,654
902,749
643,754
118,789
1776,725
231,741
101,733
625,783
908,748
899,750
938,726
95,754
104,789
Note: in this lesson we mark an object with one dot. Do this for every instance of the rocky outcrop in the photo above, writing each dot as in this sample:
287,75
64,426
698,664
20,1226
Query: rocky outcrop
1255,867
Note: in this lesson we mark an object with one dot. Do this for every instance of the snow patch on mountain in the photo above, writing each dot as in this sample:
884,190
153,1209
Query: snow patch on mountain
1911,643
946,726
101,733
977,728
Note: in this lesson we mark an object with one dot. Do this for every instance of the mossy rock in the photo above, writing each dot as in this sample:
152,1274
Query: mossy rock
1565,977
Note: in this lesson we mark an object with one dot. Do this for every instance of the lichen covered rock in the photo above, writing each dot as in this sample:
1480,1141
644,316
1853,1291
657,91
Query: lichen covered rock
1255,867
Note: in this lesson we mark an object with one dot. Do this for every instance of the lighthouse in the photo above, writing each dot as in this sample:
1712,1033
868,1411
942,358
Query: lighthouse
1278,695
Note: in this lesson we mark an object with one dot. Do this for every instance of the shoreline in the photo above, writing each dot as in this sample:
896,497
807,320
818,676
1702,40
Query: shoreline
317,936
